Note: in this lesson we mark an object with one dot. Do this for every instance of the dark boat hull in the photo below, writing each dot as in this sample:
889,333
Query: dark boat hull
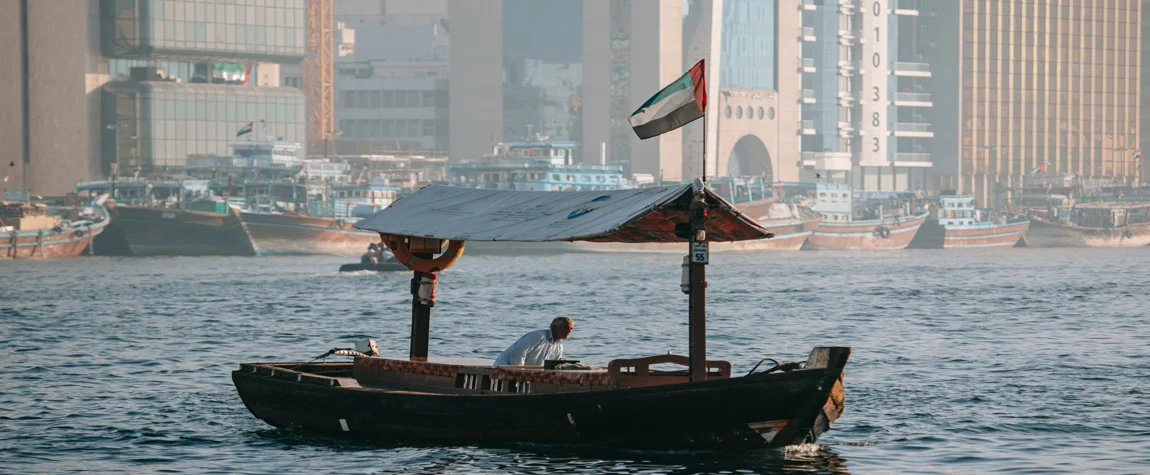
762,410
175,232
381,267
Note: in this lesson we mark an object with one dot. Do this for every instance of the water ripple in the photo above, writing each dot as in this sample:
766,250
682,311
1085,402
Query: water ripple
1027,361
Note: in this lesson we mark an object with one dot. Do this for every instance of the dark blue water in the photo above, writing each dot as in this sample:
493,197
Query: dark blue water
964,362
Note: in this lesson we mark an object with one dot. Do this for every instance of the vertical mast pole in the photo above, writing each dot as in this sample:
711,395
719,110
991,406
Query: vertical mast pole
697,316
699,256
420,318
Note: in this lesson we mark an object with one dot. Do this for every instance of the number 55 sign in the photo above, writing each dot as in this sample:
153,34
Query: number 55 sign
700,253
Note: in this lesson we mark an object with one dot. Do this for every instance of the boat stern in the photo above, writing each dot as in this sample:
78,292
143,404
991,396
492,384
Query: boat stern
821,412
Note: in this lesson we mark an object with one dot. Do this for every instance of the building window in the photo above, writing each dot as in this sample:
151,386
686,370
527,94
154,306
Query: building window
727,112
760,112
771,113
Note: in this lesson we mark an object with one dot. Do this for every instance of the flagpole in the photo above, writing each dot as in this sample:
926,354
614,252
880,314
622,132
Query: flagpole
706,124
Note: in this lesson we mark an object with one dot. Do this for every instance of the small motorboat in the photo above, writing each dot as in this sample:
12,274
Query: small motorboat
388,265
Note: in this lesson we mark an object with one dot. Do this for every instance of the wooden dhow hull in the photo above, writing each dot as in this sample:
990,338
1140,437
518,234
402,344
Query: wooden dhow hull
1001,235
866,235
1044,233
67,242
176,232
761,410
276,234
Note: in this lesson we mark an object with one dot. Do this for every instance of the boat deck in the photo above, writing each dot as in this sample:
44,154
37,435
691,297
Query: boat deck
465,375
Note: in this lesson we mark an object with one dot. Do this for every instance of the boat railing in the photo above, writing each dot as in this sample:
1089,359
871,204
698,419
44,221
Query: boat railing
539,164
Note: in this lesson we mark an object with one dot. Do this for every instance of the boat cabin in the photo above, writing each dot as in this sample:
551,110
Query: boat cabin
541,165
170,192
1111,214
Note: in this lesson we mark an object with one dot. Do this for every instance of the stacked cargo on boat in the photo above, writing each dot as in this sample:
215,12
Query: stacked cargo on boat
30,229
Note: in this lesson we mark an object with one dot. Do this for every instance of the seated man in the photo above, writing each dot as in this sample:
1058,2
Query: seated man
367,256
540,345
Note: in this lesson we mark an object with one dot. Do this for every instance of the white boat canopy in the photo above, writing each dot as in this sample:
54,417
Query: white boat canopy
638,215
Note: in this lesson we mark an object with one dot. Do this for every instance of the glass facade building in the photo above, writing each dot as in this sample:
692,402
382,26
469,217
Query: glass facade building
1048,86
543,69
266,30
749,50
156,125
821,108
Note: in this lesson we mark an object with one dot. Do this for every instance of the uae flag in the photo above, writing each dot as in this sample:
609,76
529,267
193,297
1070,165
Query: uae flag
247,129
676,105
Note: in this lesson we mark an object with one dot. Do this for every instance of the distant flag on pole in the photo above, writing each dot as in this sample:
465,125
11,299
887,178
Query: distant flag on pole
1040,168
675,106
247,129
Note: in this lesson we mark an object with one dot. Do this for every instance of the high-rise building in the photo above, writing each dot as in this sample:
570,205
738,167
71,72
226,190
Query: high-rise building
141,84
154,119
391,76
1144,91
576,70
865,109
755,115
1046,87
564,70
52,73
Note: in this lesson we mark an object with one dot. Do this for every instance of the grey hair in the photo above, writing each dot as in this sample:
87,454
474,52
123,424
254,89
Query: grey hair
567,321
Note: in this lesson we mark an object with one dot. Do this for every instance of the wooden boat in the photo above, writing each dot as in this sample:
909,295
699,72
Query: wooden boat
891,232
958,224
148,231
277,234
1106,224
627,403
881,222
29,230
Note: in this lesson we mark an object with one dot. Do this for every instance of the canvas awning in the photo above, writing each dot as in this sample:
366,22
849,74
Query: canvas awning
632,215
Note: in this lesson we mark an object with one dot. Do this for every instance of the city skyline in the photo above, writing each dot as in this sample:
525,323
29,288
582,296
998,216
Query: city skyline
793,86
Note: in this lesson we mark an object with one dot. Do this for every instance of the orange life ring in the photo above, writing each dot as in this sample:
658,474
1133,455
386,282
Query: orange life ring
398,246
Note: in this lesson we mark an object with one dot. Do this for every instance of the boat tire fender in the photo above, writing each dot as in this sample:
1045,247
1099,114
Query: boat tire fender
1127,234
399,249
882,232
1094,232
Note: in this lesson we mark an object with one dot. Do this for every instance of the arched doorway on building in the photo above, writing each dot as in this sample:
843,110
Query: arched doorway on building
749,158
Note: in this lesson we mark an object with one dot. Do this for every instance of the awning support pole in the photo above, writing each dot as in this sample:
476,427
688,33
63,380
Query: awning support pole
420,317
697,322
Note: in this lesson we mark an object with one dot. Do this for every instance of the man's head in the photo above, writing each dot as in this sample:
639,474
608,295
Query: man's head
561,327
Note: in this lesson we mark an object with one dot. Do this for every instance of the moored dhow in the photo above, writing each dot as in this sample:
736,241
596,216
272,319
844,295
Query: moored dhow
35,230
959,224
848,224
1104,224
155,231
627,403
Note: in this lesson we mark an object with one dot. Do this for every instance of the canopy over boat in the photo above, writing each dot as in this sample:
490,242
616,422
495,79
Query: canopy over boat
639,215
